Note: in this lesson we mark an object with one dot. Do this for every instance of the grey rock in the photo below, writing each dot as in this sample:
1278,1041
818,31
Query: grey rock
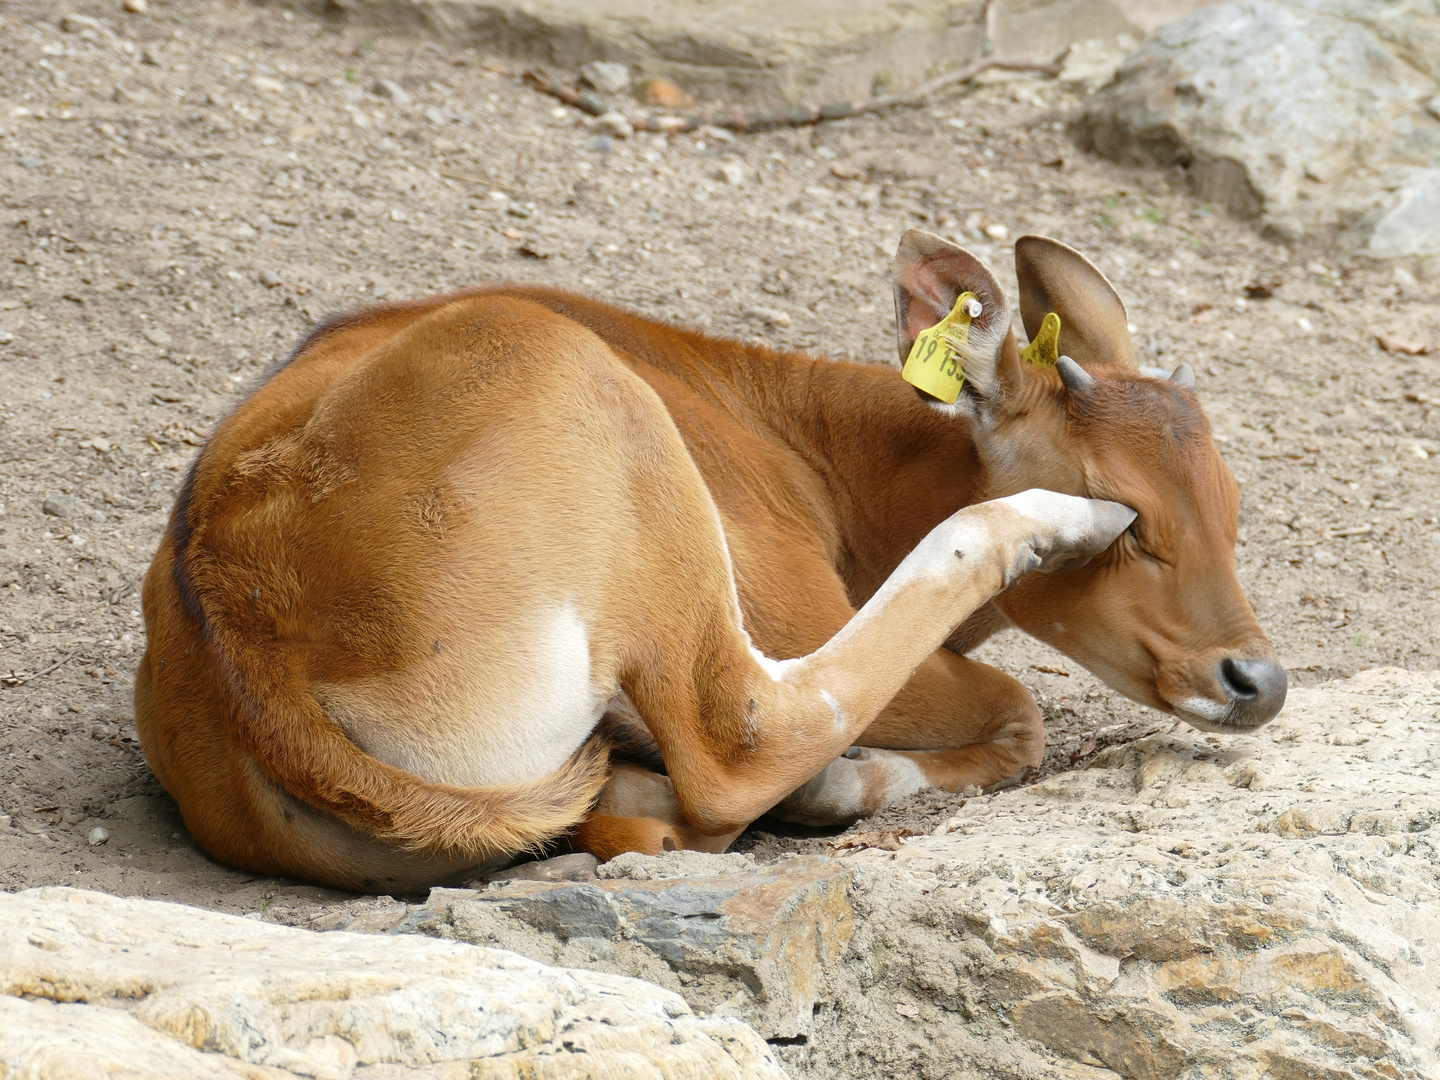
760,940
157,337
1410,223
269,278
97,836
29,161
606,77
1305,120
391,90
63,506
1410,27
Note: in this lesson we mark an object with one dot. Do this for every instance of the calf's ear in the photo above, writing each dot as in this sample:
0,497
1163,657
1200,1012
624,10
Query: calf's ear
930,274
1094,328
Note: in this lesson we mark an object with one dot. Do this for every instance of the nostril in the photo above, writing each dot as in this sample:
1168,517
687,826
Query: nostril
1238,681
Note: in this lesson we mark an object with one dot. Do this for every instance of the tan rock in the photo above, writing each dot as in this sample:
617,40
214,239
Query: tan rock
103,987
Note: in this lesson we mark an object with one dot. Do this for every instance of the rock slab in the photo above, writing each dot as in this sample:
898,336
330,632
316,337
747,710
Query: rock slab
1299,114
756,942
104,987
1189,906
768,53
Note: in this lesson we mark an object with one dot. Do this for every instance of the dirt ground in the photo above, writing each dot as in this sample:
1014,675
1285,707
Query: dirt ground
183,193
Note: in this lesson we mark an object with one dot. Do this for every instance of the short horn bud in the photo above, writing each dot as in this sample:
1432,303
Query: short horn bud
1076,379
1183,377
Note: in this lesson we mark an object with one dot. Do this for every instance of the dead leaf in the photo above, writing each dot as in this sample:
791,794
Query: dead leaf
664,93
1261,290
884,839
1392,344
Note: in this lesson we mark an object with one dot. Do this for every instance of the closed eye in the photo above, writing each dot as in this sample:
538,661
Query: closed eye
1135,538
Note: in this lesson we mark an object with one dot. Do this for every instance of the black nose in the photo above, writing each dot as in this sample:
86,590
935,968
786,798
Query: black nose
1256,689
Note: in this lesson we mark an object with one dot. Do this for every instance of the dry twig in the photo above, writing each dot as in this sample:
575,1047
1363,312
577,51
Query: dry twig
20,678
800,115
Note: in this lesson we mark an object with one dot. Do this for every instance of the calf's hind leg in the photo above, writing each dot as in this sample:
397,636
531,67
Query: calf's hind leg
638,811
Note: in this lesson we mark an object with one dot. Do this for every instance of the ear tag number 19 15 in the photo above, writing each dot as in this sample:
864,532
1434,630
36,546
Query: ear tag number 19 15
937,359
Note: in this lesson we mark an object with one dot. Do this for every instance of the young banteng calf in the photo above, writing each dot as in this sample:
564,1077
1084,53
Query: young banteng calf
473,571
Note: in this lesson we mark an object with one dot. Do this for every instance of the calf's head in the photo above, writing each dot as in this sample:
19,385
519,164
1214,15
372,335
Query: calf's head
1160,615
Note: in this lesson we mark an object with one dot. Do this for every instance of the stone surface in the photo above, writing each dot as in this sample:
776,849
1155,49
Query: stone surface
1191,906
101,987
1299,115
820,51
754,941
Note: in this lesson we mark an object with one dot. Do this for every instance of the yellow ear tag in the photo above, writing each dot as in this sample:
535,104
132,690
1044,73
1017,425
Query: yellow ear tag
937,359
1045,349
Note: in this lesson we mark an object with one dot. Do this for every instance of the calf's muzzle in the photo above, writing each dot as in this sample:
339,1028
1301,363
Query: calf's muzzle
1256,689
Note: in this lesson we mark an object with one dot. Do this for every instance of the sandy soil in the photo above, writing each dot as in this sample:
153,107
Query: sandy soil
183,193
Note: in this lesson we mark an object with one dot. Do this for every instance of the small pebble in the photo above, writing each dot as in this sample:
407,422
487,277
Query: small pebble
606,77
97,836
268,278
390,89
134,7
1404,280
997,232
6,337
614,123
1326,558
28,162
103,445
733,173
159,338
768,315
63,506
602,144
4,821
74,24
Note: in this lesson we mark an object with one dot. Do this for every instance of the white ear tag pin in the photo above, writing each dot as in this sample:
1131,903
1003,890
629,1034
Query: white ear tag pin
936,363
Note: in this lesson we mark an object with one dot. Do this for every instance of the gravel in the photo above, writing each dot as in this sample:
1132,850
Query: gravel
158,209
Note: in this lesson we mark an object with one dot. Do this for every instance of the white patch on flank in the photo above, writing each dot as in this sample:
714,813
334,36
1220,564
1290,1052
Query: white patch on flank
515,713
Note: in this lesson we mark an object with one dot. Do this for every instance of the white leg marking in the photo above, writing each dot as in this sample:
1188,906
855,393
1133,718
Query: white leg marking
837,795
